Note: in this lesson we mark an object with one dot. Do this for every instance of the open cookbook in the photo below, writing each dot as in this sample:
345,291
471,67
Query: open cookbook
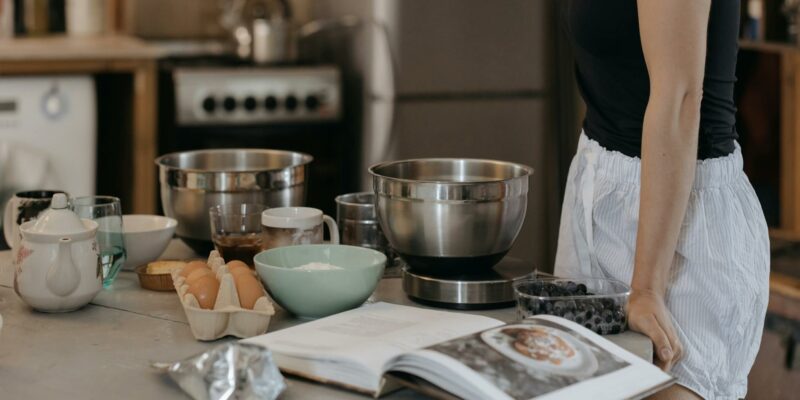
376,348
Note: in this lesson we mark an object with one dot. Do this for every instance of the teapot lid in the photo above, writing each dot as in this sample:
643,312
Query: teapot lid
58,219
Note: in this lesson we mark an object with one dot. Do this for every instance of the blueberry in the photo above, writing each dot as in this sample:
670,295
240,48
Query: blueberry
571,287
598,330
588,326
615,329
597,320
571,306
579,318
589,314
619,315
559,307
581,288
541,306
548,307
608,316
544,293
570,316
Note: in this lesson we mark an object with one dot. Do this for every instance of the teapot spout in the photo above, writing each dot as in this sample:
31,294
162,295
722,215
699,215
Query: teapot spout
63,276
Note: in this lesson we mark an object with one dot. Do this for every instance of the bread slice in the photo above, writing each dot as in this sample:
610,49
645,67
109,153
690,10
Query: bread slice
164,267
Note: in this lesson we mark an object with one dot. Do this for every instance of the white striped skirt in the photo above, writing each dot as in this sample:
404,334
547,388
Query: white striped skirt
719,282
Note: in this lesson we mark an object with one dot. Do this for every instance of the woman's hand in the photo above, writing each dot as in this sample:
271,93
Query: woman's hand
648,314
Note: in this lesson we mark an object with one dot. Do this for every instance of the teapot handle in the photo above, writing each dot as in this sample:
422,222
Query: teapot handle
62,276
8,223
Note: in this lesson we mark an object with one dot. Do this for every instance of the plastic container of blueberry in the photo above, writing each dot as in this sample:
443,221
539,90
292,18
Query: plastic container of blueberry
598,304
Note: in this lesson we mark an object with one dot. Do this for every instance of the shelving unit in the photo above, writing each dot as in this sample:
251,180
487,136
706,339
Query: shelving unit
784,59
112,54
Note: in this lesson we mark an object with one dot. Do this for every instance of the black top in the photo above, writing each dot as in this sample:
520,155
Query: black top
613,80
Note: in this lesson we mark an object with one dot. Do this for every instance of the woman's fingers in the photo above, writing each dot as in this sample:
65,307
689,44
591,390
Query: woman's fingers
663,349
669,328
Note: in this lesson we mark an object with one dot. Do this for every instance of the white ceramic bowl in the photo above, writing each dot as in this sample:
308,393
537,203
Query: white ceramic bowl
145,237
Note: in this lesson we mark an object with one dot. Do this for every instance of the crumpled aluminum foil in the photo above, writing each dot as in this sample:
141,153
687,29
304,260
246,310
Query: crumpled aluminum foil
229,371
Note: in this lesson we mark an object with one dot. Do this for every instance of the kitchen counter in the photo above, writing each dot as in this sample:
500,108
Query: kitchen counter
105,349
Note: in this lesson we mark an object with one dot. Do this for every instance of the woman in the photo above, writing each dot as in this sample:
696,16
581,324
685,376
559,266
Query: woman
656,195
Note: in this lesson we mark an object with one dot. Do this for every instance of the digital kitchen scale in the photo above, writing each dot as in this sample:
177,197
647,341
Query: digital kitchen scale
492,288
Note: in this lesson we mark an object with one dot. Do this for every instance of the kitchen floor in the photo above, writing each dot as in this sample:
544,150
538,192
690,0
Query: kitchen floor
776,373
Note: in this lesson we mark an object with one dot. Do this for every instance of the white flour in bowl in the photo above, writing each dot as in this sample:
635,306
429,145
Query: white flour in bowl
318,266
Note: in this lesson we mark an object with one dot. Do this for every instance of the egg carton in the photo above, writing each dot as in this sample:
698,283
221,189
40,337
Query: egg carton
228,317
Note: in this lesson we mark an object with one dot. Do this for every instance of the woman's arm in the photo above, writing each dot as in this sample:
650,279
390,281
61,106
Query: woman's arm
674,43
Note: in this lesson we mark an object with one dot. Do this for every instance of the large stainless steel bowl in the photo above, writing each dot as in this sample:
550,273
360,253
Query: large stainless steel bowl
451,216
193,181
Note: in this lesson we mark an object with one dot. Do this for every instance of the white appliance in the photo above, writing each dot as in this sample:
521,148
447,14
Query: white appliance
48,134
472,78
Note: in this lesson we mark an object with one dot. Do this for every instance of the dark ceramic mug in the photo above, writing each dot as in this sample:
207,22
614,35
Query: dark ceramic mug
23,207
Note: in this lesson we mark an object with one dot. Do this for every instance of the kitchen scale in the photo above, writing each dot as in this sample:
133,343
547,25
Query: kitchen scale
485,289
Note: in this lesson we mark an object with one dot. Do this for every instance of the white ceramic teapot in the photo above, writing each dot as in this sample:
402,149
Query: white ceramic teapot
57,266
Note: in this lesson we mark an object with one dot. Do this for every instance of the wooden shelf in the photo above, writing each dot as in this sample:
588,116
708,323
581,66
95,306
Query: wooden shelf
784,296
69,48
769,47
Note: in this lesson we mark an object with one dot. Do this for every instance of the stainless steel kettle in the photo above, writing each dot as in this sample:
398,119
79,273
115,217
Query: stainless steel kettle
262,30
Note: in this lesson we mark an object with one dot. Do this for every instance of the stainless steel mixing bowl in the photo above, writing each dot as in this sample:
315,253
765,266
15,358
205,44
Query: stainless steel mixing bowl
451,216
193,181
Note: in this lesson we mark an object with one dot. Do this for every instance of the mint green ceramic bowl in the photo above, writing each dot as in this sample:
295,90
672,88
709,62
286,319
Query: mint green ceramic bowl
319,293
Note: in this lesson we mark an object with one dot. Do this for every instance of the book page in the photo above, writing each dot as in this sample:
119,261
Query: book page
544,357
372,334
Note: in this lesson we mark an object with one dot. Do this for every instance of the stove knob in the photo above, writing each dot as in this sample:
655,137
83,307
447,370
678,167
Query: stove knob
312,103
209,104
229,104
290,103
250,103
270,103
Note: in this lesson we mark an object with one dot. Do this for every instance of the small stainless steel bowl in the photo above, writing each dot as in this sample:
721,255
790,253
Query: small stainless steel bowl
448,216
191,182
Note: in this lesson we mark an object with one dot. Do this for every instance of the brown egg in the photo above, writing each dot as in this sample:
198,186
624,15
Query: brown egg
197,274
249,290
192,266
236,264
240,271
205,291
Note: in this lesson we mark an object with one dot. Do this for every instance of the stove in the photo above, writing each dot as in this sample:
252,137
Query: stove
250,95
223,102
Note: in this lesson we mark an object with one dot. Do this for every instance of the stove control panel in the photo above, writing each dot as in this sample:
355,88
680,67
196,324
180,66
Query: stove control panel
252,95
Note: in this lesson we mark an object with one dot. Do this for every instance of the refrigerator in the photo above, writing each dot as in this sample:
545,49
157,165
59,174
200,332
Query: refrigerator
459,78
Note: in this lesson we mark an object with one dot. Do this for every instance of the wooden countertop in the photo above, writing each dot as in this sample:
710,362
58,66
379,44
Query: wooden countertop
51,48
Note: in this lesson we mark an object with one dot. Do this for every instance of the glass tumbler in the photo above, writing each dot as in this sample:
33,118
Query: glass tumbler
236,231
107,212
